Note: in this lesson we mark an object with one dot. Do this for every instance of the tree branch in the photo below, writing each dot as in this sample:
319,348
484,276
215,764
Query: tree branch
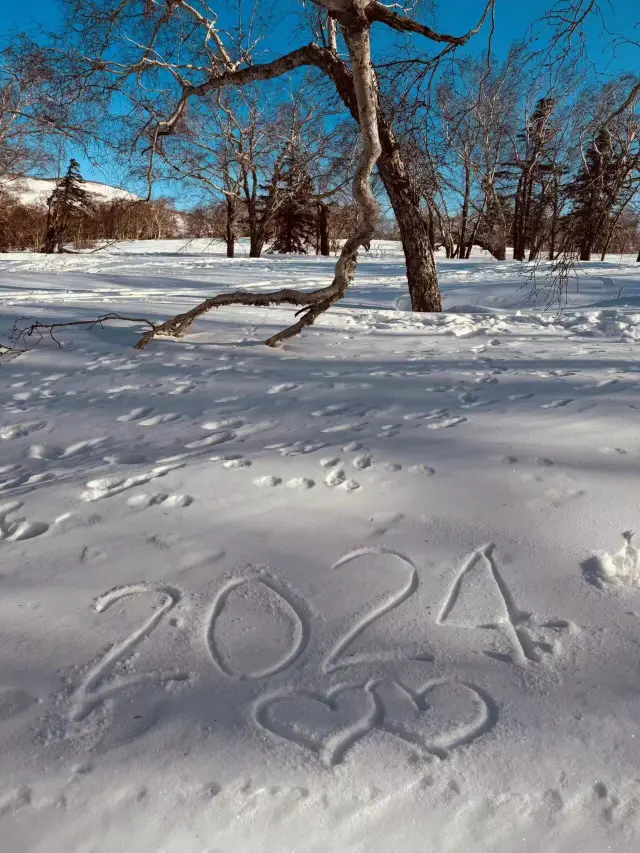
19,334
379,12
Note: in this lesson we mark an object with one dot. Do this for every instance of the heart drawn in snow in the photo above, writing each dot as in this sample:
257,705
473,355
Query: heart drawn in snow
438,718
328,725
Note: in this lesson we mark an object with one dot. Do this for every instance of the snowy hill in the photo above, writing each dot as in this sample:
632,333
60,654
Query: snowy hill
36,191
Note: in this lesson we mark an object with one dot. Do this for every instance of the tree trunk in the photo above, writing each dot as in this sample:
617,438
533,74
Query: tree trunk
323,227
472,238
432,230
499,251
638,258
230,236
554,224
462,242
422,277
518,250
256,245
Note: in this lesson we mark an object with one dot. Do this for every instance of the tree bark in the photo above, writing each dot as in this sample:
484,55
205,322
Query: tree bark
230,236
323,227
462,239
422,277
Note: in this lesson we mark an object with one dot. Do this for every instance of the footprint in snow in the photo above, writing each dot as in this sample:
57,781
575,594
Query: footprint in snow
267,482
555,404
18,529
352,447
330,461
446,423
337,478
300,483
362,462
280,389
134,415
142,501
21,429
48,452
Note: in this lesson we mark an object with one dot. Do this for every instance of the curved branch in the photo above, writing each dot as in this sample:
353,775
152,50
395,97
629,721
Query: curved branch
357,37
379,12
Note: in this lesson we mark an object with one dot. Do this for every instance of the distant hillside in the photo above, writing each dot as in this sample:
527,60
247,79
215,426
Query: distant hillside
36,191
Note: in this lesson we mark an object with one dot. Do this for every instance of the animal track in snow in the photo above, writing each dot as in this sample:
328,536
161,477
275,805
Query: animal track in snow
340,409
280,389
106,487
134,414
362,462
556,404
267,482
143,417
143,500
335,477
21,429
297,448
49,452
223,425
540,461
156,420
300,483
351,447
330,461
347,427
28,480
235,462
18,529
211,440
421,469
447,422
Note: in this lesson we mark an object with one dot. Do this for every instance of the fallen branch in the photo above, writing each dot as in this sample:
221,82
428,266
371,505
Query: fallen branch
19,334
313,303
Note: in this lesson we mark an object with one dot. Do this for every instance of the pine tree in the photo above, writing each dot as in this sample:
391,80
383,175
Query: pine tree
68,201
295,222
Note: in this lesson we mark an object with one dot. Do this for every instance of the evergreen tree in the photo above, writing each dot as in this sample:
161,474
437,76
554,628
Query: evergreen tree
295,222
68,202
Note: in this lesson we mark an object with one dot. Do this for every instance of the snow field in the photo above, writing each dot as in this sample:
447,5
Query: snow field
375,589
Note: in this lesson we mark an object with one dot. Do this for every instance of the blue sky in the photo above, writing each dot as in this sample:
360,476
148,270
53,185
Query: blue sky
454,16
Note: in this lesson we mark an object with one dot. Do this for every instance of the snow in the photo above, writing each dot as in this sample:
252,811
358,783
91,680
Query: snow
36,191
375,589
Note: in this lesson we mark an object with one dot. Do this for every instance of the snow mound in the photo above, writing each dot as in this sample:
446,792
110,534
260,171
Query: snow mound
36,191
621,568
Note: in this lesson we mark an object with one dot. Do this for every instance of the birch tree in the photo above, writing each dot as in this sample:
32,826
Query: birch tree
178,50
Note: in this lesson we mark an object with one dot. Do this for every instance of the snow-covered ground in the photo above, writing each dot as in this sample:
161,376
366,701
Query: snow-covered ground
373,590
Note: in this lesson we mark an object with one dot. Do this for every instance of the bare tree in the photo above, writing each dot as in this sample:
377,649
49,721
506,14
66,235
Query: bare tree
219,60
